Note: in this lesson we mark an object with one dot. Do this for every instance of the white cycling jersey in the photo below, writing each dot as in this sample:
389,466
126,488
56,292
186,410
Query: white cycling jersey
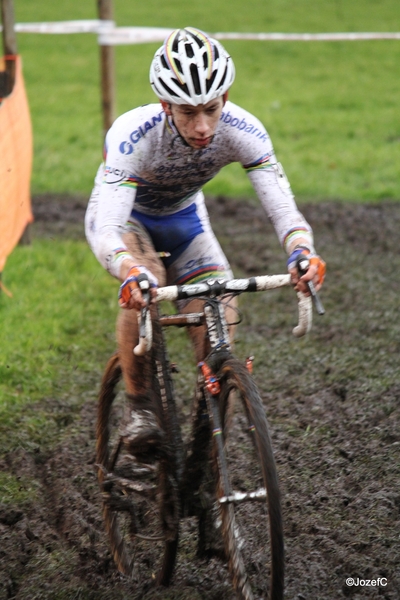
151,176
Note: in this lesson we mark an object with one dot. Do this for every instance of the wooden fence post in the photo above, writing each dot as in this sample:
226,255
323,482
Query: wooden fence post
105,11
9,43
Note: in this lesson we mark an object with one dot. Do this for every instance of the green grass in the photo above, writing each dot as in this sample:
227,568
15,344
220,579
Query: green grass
57,331
330,108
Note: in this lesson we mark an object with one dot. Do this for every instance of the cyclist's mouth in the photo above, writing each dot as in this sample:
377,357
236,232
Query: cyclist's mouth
201,142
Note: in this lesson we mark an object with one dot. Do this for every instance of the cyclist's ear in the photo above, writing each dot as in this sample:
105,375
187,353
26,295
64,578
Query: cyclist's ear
225,97
167,107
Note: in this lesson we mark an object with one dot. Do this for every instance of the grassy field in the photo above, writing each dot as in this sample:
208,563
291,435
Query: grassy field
48,344
330,108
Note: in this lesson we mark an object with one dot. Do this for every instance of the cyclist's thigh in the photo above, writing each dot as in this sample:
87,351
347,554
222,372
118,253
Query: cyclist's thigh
139,244
134,368
202,259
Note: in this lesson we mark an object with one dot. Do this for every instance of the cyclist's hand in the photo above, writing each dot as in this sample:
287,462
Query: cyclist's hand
315,272
130,295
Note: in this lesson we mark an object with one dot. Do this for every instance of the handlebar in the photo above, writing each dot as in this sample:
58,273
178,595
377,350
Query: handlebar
219,287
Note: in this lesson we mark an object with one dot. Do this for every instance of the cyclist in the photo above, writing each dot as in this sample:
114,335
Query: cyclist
147,213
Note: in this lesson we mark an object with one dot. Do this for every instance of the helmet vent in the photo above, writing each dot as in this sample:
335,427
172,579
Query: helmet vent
210,81
189,51
164,62
198,41
168,89
182,86
195,78
178,65
221,83
205,60
175,44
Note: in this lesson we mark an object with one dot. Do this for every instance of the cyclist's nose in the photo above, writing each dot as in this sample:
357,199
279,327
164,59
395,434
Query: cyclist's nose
201,124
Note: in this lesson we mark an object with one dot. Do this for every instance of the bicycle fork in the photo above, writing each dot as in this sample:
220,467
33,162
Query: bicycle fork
213,410
211,392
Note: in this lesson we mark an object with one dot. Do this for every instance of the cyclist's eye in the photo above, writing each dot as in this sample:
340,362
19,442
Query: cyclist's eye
212,110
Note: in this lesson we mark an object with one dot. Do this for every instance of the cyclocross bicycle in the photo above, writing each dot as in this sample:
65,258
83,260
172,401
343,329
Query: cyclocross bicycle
225,474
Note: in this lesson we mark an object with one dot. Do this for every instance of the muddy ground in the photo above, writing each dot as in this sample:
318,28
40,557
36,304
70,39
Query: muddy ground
333,407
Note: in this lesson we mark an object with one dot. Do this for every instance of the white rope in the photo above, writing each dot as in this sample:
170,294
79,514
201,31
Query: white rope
138,35
109,35
88,26
132,35
308,37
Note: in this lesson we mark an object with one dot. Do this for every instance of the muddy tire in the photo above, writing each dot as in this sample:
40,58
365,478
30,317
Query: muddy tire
141,506
252,530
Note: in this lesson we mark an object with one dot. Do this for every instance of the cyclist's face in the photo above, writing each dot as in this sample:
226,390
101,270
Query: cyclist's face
196,124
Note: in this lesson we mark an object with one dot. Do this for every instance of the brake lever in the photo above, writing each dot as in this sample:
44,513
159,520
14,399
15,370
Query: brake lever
144,284
303,265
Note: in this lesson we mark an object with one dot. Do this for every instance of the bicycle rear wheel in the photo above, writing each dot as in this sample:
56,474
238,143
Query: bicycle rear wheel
140,500
252,529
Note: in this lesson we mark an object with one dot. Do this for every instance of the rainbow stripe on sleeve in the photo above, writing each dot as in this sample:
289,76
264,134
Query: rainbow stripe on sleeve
294,233
261,163
130,182
119,253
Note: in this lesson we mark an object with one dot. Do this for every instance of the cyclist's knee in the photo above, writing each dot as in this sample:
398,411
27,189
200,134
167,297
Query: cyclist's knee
197,334
231,315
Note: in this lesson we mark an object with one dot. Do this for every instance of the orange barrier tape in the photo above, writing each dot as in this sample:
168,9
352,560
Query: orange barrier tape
15,165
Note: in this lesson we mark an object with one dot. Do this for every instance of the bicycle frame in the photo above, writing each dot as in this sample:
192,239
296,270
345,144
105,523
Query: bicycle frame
212,437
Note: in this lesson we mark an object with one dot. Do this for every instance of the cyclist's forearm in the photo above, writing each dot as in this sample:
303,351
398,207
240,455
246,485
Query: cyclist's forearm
305,241
114,208
275,194
125,267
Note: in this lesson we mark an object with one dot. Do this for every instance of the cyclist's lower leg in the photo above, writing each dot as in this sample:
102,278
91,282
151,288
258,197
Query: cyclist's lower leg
140,429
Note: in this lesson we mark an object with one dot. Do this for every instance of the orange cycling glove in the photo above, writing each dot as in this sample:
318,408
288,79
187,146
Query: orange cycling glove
131,283
312,257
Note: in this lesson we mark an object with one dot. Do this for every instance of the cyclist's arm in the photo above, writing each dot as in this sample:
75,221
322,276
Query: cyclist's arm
111,204
114,208
115,205
294,232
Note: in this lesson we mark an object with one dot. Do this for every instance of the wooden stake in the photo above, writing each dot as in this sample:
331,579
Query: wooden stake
105,10
9,42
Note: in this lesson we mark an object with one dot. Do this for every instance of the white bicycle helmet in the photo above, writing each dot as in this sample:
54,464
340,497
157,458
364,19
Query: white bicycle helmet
191,68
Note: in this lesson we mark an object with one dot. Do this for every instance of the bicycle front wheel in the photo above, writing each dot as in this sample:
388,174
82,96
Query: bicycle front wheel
140,499
247,488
